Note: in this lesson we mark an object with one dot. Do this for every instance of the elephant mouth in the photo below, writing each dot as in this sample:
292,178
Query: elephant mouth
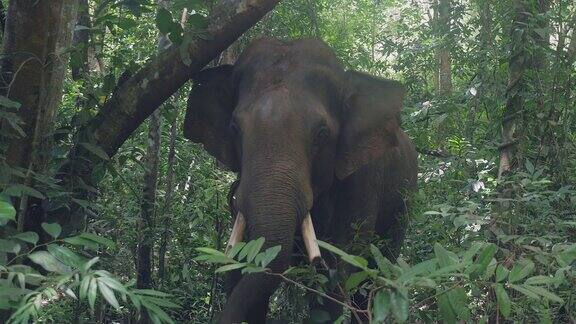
306,228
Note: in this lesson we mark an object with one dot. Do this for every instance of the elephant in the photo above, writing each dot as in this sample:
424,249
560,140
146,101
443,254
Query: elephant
307,139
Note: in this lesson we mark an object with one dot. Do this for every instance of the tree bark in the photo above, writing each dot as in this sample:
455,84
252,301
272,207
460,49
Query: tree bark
36,41
444,61
81,41
149,87
485,50
444,57
514,93
167,202
146,222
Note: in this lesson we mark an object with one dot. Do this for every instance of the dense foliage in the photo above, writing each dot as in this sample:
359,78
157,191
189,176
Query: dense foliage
481,246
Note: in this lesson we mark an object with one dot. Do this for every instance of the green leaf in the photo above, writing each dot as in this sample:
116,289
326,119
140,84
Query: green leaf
7,211
541,291
355,279
84,284
520,271
254,249
539,280
48,262
66,256
4,101
154,309
501,273
445,257
485,257
9,246
230,267
332,248
96,150
92,290
207,250
108,294
524,291
164,20
235,249
446,311
78,241
18,190
459,303
267,256
502,299
54,229
30,237
151,292
399,306
381,306
356,261
98,239
214,259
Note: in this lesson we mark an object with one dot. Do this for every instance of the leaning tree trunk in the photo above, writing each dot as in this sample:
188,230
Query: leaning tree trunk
36,41
149,87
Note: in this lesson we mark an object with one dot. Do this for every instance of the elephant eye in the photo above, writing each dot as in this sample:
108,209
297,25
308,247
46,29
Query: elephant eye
321,136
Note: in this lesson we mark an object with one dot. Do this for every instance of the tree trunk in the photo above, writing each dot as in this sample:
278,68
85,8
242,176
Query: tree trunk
515,91
36,42
484,57
444,61
149,87
444,57
167,202
81,42
146,224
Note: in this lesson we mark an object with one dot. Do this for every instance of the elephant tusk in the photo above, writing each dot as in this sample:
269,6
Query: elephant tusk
237,231
309,237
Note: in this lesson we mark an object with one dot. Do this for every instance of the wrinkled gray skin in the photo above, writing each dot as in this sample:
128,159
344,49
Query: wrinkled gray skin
304,135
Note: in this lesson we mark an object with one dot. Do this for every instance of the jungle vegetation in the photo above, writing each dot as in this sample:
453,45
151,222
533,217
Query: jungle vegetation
107,214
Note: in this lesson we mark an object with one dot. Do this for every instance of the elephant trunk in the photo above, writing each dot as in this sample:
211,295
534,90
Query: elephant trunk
272,207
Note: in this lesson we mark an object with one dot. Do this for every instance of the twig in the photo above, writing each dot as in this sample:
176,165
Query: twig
351,308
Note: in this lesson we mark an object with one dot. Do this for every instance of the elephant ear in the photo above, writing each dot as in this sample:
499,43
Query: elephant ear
210,106
370,121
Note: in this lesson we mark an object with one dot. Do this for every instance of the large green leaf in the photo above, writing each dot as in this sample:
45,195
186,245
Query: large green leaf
399,306
66,256
520,271
445,257
9,246
108,294
30,237
7,211
54,229
48,262
381,306
502,299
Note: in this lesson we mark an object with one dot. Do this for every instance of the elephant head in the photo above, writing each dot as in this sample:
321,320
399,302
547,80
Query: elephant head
290,120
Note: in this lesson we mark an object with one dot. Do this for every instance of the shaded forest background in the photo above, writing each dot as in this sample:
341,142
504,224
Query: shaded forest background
103,202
